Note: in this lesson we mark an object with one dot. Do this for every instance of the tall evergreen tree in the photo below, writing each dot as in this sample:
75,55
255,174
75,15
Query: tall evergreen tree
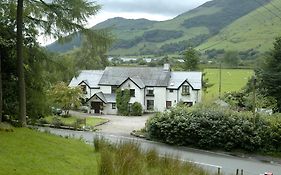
191,59
269,74
56,18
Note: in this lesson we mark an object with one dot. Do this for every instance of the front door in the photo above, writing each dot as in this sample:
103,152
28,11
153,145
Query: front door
96,106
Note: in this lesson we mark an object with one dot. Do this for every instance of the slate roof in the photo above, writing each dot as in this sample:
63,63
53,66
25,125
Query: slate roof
91,77
193,78
148,76
105,98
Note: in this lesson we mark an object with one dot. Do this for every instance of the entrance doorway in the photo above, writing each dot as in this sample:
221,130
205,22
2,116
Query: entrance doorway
96,106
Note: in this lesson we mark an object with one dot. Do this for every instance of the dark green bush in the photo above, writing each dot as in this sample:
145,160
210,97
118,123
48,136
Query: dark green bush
136,109
213,128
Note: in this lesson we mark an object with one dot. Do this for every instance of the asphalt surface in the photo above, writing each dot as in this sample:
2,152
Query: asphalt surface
208,160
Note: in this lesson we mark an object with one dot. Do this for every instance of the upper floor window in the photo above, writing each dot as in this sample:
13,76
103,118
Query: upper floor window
132,92
84,88
113,89
185,90
150,92
171,90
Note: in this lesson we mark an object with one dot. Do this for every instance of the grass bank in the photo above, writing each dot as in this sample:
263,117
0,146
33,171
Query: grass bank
26,152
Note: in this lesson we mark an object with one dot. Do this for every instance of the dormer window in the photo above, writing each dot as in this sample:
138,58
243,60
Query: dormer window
84,88
185,90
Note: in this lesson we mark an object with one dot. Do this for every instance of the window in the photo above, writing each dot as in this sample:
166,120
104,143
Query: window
84,89
150,92
113,89
113,105
185,90
132,92
168,104
150,104
171,91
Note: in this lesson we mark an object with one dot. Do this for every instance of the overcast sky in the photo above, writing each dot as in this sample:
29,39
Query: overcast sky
132,9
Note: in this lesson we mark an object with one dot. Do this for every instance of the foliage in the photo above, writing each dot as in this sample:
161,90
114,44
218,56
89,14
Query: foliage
73,120
128,159
191,59
268,75
122,101
161,35
213,128
136,109
231,59
65,97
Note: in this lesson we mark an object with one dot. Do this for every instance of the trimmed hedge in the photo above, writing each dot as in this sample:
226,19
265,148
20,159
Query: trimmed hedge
214,128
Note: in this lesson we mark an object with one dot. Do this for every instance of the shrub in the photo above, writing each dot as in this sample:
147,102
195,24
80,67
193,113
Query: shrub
6,127
56,121
213,128
136,109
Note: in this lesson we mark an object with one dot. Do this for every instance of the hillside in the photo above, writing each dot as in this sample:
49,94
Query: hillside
254,31
200,25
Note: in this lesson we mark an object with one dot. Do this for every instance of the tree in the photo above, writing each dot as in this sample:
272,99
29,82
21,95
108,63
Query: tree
191,59
268,75
54,18
122,101
65,97
231,58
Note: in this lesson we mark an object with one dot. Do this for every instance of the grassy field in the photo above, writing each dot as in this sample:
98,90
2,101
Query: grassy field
27,152
69,121
231,80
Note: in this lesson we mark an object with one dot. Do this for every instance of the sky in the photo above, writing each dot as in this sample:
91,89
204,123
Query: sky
158,10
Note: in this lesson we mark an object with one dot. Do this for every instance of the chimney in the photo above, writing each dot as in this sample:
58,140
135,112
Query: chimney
166,67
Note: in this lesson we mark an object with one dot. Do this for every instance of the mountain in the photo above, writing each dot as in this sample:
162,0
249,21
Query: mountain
217,24
254,31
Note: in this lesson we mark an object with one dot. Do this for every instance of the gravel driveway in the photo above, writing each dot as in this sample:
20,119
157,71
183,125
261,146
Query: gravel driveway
118,125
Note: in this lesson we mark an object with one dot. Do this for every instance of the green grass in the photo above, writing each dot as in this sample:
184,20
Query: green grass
232,80
27,152
69,121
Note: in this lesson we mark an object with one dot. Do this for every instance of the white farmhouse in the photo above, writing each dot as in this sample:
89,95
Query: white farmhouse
155,88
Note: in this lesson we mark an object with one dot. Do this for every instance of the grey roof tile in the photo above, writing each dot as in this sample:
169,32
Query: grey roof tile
149,76
194,79
91,77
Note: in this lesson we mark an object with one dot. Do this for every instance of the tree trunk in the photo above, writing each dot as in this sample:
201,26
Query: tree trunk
20,64
1,99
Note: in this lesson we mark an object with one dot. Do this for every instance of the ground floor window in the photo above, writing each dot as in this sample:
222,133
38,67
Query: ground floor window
189,104
168,104
150,104
113,105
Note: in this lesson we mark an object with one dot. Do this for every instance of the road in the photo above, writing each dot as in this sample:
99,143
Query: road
208,160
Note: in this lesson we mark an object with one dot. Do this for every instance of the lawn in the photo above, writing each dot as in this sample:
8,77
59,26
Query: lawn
25,151
70,121
231,80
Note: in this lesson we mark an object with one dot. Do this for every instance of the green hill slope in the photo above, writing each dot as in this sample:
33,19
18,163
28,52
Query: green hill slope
144,37
254,31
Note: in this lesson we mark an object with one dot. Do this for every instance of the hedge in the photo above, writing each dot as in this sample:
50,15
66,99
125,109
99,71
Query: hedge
214,128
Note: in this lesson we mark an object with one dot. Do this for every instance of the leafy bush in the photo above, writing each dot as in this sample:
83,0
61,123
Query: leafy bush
213,128
136,109
56,121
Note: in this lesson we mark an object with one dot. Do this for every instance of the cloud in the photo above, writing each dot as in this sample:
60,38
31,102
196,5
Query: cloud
163,7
